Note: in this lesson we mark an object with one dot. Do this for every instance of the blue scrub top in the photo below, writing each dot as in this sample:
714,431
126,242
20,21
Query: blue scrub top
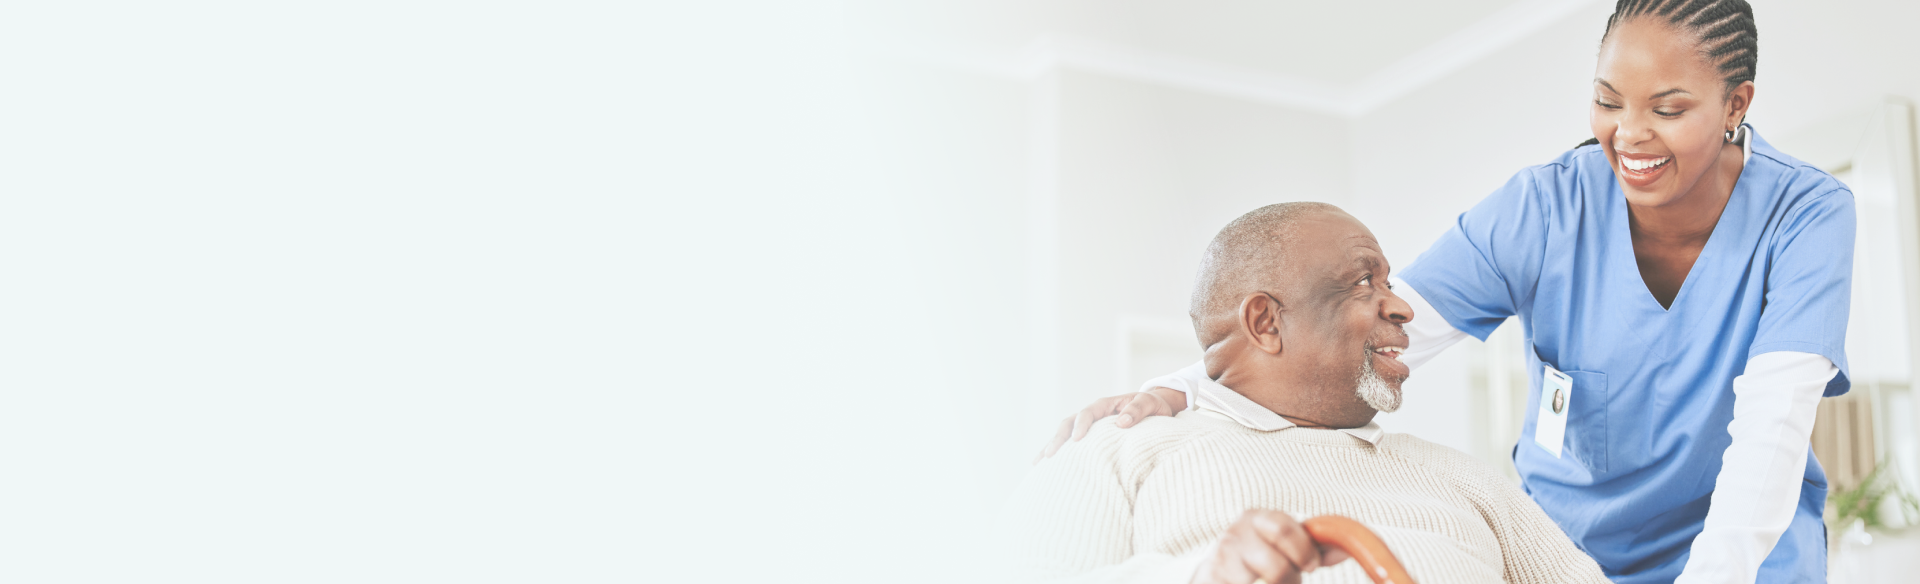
1653,387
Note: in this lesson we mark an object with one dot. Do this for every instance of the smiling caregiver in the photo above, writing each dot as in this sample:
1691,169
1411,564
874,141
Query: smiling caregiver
1684,291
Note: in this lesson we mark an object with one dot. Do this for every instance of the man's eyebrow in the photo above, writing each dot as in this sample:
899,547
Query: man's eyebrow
1364,264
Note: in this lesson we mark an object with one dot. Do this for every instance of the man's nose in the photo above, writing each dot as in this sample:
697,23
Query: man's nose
1396,310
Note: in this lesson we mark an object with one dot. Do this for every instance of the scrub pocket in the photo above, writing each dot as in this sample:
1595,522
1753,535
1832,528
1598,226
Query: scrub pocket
1586,439
1587,420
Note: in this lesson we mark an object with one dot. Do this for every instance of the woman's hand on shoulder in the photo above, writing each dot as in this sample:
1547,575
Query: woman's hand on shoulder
1131,407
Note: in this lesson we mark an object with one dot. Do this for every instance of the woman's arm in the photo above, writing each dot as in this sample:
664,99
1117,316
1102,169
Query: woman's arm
1758,489
1797,356
1428,334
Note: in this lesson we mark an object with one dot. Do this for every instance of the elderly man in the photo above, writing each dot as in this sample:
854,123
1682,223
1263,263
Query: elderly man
1302,337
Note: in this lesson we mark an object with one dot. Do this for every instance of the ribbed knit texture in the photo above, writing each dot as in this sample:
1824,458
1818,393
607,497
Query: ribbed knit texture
1145,504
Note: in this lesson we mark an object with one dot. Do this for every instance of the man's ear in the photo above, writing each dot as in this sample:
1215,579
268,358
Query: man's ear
1260,321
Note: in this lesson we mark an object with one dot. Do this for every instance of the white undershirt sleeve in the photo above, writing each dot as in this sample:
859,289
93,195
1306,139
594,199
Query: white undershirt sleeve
1758,489
1428,334
1186,380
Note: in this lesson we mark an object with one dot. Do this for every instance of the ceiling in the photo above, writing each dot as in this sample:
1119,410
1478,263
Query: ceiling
1326,41
1334,55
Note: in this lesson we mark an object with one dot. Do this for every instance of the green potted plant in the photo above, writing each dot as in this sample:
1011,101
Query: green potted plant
1866,505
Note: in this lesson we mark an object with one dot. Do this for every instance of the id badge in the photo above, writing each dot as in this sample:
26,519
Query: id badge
1556,399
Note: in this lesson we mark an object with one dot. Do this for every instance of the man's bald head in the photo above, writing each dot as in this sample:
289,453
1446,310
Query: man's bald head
1249,255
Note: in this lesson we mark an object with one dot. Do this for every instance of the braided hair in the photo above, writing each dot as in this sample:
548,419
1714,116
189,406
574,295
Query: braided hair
1725,27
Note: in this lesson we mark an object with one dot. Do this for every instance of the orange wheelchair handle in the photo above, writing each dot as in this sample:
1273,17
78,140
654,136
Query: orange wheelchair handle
1361,543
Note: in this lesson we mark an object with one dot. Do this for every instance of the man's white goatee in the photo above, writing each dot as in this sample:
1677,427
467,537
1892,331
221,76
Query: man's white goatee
1374,390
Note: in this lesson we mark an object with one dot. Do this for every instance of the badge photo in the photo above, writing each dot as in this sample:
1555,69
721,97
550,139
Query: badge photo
1556,399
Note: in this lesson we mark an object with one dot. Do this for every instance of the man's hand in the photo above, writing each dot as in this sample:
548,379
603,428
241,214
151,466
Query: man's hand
1132,407
1264,546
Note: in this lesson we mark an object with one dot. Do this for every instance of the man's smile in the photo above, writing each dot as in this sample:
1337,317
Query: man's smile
1386,356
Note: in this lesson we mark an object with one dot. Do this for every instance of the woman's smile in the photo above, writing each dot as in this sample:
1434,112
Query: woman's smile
1641,171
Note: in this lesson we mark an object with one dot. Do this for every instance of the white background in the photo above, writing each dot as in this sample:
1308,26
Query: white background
703,291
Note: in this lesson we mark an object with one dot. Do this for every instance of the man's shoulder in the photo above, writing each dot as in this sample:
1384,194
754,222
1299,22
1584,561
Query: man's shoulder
1151,438
1414,444
1442,459
1152,431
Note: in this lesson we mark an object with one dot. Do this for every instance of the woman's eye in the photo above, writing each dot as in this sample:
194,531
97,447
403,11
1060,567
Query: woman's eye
1605,104
1367,281
1670,113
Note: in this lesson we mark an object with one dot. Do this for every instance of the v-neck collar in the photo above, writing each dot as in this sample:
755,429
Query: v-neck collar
1735,205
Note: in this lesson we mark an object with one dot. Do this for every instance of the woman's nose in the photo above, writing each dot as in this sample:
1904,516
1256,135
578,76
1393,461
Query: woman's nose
1630,130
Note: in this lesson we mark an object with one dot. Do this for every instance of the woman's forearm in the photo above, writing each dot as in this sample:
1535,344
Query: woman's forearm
1758,489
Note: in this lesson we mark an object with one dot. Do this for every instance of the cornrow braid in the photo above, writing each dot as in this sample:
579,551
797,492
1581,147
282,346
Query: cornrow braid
1725,27
1727,35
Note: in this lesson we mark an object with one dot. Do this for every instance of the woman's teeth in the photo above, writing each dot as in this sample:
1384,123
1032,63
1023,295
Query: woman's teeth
1391,352
1643,165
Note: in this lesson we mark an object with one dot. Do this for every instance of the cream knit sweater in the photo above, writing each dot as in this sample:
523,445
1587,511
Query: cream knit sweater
1146,504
